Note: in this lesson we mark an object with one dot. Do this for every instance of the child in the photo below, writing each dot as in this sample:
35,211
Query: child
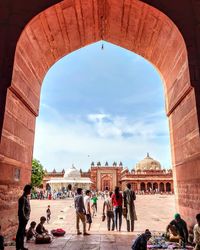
31,233
40,229
1,241
94,205
48,214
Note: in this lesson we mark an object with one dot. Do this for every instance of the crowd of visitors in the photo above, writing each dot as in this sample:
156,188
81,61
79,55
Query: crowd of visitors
115,205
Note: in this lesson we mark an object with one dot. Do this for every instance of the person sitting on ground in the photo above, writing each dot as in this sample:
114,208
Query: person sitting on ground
40,229
141,242
1,240
109,212
31,233
196,231
87,208
48,213
178,227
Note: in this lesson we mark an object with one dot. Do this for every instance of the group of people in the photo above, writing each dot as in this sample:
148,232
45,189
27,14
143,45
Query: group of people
177,230
115,205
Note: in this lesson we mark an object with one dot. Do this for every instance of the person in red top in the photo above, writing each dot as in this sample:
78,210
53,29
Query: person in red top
117,207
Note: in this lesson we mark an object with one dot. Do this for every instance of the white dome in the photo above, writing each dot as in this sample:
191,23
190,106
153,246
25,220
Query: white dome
72,173
148,163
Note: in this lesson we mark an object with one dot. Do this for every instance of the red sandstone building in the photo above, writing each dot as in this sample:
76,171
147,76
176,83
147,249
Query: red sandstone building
147,176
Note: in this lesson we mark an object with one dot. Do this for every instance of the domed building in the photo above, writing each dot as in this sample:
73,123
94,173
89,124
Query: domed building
148,177
71,179
148,163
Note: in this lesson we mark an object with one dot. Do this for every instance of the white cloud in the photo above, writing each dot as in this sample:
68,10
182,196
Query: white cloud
97,117
104,137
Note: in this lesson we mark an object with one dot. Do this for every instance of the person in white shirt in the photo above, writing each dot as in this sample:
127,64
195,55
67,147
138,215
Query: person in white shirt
108,207
196,231
87,208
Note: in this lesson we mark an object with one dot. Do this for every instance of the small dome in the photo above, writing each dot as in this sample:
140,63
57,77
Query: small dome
148,163
72,173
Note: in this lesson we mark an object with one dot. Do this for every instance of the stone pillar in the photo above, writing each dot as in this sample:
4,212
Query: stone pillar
184,127
16,151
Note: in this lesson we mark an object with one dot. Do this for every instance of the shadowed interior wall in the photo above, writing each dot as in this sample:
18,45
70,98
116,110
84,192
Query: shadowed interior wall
70,25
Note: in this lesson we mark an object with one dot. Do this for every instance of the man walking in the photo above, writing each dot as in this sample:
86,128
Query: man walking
24,211
80,211
129,197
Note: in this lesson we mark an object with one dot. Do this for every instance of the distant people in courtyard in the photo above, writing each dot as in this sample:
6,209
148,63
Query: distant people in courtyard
31,233
87,208
1,240
108,207
40,229
141,242
129,198
80,211
196,231
117,208
48,212
94,204
178,227
24,211
106,193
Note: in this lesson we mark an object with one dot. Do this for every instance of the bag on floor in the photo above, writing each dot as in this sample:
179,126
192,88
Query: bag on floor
43,239
58,232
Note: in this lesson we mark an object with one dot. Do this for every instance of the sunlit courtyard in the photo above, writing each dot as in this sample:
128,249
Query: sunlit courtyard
153,212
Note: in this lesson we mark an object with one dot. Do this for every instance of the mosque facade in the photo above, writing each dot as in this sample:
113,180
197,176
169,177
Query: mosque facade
147,176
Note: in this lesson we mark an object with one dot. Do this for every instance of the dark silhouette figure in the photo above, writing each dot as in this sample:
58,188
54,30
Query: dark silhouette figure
24,210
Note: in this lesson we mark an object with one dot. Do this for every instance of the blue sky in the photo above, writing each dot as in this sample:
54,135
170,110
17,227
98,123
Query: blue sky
101,105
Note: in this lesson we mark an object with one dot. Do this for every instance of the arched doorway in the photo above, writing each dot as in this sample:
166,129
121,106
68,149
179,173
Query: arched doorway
162,187
142,186
106,183
155,186
168,187
58,31
149,186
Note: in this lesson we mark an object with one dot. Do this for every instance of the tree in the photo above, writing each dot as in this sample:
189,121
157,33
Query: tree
37,173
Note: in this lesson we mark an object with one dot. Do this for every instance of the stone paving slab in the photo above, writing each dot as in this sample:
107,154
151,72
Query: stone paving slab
153,212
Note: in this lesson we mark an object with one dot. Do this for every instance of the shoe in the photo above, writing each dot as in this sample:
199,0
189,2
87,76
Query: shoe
78,233
86,234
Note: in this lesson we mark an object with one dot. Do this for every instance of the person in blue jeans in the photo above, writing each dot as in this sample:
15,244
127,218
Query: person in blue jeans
117,208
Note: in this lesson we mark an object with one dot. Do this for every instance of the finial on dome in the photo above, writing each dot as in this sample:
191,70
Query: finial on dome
147,154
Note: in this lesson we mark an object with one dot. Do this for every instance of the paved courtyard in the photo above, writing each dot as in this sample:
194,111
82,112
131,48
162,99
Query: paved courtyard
153,212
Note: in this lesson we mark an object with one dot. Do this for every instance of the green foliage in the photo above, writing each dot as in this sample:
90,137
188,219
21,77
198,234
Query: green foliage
37,173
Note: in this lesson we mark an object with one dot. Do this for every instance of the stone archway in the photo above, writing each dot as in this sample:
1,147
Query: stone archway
70,25
142,186
168,187
106,183
155,186
162,187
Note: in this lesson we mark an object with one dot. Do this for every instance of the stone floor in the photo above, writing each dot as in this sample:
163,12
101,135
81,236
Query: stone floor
153,212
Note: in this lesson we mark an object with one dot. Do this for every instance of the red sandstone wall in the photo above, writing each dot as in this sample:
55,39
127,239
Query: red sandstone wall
71,25
16,150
